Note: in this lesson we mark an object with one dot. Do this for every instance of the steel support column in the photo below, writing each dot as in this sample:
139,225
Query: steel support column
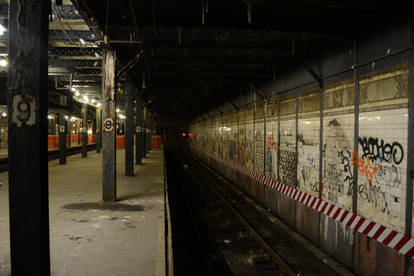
62,138
129,128
356,132
149,133
69,124
278,136
321,108
84,130
410,148
144,132
79,131
109,127
27,132
407,264
138,130
98,130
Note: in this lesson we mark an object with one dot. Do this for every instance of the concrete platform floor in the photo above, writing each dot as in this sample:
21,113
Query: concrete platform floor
88,237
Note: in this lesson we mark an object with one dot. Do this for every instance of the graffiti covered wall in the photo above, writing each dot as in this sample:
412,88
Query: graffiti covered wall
308,143
381,158
259,140
272,146
287,158
338,139
266,142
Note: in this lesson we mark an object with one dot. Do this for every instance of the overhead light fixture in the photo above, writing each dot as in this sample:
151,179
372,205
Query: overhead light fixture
3,114
2,30
97,55
98,104
66,117
77,94
82,41
3,62
49,117
85,98
117,110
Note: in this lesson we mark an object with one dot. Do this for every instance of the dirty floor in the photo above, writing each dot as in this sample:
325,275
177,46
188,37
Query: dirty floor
89,237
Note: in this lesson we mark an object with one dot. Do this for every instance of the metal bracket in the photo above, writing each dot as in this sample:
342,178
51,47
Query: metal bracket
256,91
313,73
235,106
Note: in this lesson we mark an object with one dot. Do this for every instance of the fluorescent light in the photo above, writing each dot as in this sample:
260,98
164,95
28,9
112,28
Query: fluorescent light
98,104
66,117
97,55
92,100
85,98
3,62
77,94
3,114
82,41
73,89
49,117
2,30
117,110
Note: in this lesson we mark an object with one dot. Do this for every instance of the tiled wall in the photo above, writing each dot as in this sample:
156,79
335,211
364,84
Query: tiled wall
308,143
251,138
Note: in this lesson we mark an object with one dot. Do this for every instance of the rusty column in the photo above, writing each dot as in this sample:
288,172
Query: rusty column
138,130
144,132
84,130
98,130
129,128
28,166
109,127
69,124
62,138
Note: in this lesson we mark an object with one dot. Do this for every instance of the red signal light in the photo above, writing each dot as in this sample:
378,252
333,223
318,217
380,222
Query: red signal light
183,134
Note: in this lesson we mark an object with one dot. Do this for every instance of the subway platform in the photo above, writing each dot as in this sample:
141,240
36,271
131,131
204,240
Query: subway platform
89,237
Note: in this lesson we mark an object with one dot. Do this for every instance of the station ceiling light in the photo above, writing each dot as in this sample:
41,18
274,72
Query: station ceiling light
3,62
2,30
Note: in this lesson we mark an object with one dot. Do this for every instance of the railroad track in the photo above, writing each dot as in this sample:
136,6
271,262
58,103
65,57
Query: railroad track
251,240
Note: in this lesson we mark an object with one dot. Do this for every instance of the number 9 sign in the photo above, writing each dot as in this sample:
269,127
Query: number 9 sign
109,124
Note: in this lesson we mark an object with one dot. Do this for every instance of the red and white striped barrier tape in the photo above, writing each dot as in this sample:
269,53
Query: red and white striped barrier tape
403,244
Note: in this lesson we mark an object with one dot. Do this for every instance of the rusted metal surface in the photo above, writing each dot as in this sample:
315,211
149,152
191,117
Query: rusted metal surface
138,130
84,130
129,128
109,129
28,171
98,130
62,138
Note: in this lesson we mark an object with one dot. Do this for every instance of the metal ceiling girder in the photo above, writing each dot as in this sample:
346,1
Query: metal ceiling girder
67,35
67,12
74,51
